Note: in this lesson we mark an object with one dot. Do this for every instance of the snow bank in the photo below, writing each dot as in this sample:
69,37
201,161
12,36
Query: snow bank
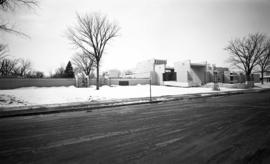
54,95
265,85
175,83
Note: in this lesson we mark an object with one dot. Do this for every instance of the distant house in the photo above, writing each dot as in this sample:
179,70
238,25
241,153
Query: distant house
239,77
266,77
234,77
221,72
127,74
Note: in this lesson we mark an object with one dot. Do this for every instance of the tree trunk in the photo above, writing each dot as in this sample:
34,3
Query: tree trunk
247,77
97,85
249,81
262,77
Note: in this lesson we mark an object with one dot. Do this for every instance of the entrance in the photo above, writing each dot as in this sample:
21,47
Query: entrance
169,75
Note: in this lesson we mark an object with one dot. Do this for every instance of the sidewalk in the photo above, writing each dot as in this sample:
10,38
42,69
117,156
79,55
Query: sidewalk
88,106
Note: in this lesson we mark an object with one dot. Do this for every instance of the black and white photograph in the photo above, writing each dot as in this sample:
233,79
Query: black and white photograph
135,81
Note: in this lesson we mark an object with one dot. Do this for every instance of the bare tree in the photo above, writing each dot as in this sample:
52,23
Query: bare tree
6,5
246,52
8,67
34,74
24,66
3,51
91,35
264,60
83,62
59,73
12,4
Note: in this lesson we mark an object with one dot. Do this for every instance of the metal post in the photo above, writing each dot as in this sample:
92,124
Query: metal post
150,77
150,89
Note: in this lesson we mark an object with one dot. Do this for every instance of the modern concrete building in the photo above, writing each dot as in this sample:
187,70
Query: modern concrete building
184,73
153,68
193,74
221,74
238,77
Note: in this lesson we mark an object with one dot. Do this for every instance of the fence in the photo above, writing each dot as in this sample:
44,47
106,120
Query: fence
119,81
12,83
129,81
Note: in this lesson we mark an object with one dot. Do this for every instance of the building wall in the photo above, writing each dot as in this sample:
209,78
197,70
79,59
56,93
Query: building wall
115,81
130,81
198,76
266,77
182,68
159,70
144,68
193,75
226,76
267,73
12,83
238,77
151,68
210,73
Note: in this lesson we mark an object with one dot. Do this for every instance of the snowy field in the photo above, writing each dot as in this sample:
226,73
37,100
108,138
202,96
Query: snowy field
54,95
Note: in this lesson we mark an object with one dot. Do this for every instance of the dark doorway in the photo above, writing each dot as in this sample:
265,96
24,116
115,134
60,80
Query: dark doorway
124,83
169,75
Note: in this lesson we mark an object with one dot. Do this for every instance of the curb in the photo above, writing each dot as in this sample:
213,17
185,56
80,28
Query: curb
89,106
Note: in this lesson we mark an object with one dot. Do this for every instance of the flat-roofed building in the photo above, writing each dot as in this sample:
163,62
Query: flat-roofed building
152,68
193,74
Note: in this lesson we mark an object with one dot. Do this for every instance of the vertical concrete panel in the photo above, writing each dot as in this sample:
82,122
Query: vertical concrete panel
159,69
198,74
181,68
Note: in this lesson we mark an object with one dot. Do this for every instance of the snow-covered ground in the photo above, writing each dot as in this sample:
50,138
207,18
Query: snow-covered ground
54,95
259,85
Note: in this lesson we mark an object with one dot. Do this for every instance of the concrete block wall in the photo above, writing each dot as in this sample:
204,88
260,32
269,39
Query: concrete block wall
130,81
102,81
115,81
12,83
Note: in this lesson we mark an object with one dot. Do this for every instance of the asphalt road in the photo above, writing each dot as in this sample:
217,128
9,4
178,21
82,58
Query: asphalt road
230,129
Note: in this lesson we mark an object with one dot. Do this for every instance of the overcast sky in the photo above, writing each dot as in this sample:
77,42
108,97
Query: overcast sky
164,29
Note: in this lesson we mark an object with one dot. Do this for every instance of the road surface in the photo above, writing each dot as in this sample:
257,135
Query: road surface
230,129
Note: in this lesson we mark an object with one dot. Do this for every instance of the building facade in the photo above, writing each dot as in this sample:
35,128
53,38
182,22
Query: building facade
193,74
152,69
188,74
184,73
